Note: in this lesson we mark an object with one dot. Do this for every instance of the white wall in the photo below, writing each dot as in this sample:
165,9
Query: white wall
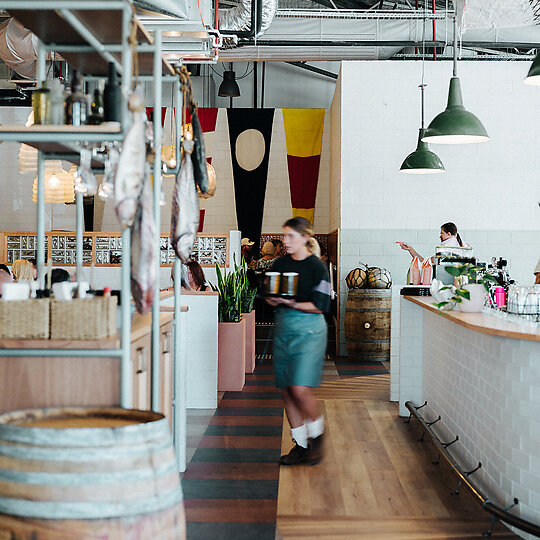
491,190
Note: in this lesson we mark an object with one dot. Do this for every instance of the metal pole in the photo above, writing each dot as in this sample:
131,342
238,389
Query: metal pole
454,58
179,376
79,234
126,372
40,256
127,63
157,217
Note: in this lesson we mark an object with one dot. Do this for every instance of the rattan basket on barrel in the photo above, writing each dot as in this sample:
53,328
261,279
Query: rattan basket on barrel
83,318
79,473
24,319
367,323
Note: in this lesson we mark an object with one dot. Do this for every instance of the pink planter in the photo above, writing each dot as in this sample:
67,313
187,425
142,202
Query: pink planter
250,340
231,356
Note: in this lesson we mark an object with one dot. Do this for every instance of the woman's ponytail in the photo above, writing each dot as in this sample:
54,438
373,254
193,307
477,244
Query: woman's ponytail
459,239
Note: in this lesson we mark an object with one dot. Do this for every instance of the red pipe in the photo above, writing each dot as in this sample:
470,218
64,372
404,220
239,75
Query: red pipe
216,14
434,32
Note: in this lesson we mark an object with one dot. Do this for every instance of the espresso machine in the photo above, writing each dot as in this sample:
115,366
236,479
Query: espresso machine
450,256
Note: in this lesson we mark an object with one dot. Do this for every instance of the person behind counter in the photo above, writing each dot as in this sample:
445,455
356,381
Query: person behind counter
196,280
267,259
300,342
449,238
537,273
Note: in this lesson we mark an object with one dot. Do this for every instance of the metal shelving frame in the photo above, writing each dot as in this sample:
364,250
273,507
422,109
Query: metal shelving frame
67,10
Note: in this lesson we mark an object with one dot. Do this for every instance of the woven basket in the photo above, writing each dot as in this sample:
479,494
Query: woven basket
24,319
83,318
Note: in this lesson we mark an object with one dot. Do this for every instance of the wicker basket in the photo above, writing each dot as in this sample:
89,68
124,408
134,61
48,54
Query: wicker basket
24,319
83,318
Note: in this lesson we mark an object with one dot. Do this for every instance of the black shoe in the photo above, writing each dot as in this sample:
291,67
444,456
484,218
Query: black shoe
297,455
315,450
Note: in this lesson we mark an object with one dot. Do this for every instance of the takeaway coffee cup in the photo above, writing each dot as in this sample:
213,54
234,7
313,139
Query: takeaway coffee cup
271,283
289,283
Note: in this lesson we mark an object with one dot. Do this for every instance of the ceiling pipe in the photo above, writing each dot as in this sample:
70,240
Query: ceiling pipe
314,69
229,17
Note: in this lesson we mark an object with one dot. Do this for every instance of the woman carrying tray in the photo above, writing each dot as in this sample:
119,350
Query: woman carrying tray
300,341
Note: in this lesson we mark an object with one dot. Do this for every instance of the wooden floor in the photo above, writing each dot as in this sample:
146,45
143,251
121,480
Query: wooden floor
377,481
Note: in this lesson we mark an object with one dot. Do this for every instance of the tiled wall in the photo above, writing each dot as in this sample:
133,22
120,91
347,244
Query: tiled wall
490,191
487,391
335,159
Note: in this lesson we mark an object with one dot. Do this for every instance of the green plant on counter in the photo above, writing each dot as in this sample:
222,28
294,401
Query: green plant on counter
474,274
229,289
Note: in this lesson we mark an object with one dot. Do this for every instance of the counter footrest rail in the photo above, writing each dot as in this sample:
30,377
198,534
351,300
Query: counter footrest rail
496,511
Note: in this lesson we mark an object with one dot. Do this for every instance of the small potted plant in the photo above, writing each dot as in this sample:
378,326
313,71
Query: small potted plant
231,331
471,288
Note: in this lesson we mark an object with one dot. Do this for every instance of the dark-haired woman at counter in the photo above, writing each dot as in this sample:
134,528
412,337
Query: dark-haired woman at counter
449,238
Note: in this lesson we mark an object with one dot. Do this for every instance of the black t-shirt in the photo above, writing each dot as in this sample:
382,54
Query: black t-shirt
313,279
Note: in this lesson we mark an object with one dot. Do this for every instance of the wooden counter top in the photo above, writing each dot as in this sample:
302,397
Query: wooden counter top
481,322
168,293
142,324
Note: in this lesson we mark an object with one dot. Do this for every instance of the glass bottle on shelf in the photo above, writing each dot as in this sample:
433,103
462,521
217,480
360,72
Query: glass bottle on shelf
96,108
112,97
39,104
76,103
55,107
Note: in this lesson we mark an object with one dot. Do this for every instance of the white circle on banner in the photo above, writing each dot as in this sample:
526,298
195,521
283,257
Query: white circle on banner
250,148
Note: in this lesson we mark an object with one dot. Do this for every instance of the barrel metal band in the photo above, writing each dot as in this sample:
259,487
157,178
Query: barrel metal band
107,436
87,510
82,454
80,479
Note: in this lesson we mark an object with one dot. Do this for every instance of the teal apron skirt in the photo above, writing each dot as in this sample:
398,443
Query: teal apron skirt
299,347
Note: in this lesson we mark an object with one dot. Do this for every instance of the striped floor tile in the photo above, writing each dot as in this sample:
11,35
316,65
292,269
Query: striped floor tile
231,484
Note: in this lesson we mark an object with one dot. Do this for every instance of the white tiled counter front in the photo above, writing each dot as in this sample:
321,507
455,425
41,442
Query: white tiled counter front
486,388
200,347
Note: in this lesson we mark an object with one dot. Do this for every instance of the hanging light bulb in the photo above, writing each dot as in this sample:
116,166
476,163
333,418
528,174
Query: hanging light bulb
58,184
455,125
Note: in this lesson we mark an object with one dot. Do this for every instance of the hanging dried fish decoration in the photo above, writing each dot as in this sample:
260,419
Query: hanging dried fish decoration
131,165
185,206
143,254
198,156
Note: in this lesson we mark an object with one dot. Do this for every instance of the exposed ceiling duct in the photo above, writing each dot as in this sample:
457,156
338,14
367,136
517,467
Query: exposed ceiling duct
239,18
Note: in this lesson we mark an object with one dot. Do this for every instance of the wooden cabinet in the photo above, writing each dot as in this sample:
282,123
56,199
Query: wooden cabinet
166,371
141,354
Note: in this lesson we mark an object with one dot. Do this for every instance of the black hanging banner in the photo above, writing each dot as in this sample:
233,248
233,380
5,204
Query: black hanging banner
250,133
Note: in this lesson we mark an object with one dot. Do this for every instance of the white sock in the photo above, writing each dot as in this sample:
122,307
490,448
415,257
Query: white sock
299,434
315,428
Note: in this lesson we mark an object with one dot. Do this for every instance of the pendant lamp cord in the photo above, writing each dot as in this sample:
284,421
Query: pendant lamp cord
422,85
455,46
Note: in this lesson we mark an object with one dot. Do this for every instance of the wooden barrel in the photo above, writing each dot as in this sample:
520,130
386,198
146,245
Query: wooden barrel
367,323
82,473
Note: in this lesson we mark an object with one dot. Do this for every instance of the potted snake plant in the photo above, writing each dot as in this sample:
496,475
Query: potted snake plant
247,299
231,331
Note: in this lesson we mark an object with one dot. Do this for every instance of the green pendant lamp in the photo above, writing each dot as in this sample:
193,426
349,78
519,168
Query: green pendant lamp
533,77
455,125
422,160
